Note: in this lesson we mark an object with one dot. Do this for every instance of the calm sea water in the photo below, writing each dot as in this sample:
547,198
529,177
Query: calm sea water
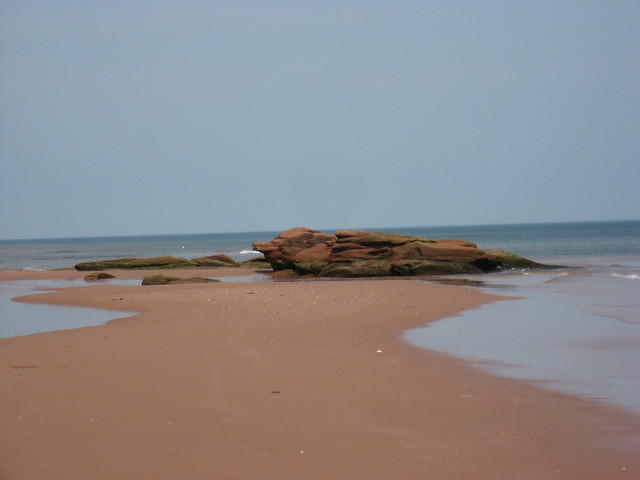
594,243
47,254
577,329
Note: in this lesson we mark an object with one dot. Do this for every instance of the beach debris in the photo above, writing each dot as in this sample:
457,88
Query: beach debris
275,391
378,351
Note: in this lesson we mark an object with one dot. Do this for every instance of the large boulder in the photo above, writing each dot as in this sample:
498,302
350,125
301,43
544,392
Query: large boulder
360,253
301,246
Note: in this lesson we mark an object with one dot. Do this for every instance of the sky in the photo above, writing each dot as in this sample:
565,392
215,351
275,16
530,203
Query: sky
162,117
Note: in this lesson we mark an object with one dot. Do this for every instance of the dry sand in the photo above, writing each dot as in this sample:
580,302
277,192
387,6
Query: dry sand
292,380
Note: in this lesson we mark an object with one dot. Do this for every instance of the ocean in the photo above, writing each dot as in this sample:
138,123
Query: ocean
48,254
605,244
575,329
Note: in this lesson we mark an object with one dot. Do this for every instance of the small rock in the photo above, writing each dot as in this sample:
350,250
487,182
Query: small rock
92,277
160,279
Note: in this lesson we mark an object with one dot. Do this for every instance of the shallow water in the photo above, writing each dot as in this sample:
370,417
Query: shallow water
574,331
17,318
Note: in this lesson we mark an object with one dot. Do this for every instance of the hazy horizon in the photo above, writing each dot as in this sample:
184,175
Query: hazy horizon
163,117
324,229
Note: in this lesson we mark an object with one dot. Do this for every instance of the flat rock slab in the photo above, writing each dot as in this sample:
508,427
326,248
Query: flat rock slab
136,263
93,277
166,280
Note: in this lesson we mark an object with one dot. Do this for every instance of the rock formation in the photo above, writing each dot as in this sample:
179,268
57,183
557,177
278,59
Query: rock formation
159,262
160,279
93,277
215,261
360,253
257,263
135,263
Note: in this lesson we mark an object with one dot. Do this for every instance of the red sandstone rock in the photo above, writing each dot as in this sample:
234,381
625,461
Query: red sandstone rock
297,245
359,253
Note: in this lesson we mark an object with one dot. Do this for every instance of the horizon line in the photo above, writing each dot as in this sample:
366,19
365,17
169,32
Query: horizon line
15,239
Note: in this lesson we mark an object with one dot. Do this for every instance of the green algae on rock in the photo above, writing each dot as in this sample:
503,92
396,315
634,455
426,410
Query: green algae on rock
93,277
257,263
159,279
215,261
135,263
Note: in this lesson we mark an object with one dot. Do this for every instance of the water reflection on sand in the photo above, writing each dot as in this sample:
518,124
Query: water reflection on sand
17,318
556,334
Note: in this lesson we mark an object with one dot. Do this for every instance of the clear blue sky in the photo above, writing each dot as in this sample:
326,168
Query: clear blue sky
145,117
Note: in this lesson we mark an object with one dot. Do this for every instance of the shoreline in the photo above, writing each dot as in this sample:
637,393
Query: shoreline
187,389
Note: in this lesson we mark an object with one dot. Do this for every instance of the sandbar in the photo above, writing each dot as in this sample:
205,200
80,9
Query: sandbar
283,380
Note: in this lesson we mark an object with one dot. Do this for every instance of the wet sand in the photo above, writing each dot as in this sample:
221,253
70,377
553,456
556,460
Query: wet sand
294,380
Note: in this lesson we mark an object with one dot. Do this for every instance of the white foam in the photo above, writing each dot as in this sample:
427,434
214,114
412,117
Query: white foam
247,252
32,269
631,276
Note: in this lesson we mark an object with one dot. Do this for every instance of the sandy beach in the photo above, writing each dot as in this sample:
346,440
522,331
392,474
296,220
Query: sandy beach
283,380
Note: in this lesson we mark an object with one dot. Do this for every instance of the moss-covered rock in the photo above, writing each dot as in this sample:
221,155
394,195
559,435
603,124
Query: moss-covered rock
503,260
431,267
93,277
363,268
215,261
159,279
287,274
312,267
135,263
257,263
